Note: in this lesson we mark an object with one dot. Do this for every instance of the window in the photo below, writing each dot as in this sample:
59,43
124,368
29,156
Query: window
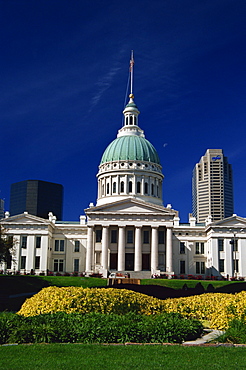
107,188
146,237
122,187
130,186
76,245
38,241
152,189
59,245
37,262
138,187
221,265
161,237
129,239
23,241
182,248
113,236
199,248
58,265
76,265
202,267
114,187
146,188
182,267
197,267
98,236
221,245
23,263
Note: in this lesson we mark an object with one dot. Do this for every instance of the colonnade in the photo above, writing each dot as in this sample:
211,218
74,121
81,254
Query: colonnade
138,248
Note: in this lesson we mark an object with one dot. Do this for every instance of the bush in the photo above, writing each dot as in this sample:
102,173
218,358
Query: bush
98,328
236,332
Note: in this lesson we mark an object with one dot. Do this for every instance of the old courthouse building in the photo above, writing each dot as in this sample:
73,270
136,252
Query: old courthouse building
129,229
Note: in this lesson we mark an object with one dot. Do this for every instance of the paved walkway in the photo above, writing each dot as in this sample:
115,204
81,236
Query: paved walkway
213,334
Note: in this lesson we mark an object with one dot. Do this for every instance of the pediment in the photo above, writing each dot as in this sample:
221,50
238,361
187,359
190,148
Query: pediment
131,206
233,222
24,218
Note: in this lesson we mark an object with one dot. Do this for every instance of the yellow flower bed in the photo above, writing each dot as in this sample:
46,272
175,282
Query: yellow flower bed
217,308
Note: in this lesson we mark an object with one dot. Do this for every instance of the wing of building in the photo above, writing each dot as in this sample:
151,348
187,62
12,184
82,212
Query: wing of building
129,229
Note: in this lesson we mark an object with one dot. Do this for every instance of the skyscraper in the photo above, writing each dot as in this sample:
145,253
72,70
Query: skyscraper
37,198
1,208
212,187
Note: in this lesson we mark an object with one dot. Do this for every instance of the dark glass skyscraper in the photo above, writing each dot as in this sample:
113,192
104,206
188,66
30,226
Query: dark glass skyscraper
37,198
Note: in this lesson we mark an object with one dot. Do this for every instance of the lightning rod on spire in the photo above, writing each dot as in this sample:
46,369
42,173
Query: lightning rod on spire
131,72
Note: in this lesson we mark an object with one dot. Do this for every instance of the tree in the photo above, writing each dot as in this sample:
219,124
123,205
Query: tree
6,247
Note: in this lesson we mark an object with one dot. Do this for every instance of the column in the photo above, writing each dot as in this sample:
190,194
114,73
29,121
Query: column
121,248
154,249
89,250
142,185
169,251
105,232
138,250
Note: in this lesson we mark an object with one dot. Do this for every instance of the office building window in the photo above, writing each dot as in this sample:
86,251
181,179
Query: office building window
23,262
182,267
58,265
161,237
76,246
182,248
37,262
129,239
76,265
113,236
23,241
221,245
38,241
146,237
199,248
221,265
59,245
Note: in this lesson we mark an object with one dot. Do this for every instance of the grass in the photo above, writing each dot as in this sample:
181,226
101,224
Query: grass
178,283
120,357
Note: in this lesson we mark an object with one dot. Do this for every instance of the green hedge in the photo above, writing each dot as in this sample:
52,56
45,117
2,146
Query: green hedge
97,328
236,332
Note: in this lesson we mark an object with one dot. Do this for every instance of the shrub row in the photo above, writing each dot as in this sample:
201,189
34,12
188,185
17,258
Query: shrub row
236,332
217,308
97,328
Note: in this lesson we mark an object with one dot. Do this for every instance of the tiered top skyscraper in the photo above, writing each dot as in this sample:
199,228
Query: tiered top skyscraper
212,187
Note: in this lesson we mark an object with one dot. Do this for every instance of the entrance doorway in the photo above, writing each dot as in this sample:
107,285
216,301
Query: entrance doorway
129,261
113,261
146,262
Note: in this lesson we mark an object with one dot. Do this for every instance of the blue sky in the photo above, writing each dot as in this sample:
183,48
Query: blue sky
64,68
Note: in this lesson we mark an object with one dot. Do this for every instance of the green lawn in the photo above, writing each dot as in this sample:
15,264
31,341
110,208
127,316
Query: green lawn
120,357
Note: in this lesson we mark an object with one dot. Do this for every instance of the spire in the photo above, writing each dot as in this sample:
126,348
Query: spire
131,75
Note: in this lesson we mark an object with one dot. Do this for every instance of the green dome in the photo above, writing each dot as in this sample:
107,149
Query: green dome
133,148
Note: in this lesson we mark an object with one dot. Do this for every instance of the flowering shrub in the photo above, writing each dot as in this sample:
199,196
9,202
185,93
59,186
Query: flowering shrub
217,308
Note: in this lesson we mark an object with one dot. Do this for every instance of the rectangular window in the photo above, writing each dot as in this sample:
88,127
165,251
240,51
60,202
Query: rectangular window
221,245
221,266
76,245
98,235
129,239
58,265
161,237
37,262
76,265
182,248
113,236
146,237
38,241
202,267
197,267
23,262
235,265
199,248
59,245
23,241
182,267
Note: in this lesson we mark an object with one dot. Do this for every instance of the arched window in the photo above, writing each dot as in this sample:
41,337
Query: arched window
122,187
126,120
157,190
130,187
138,187
146,188
152,189
131,120
107,188
114,187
